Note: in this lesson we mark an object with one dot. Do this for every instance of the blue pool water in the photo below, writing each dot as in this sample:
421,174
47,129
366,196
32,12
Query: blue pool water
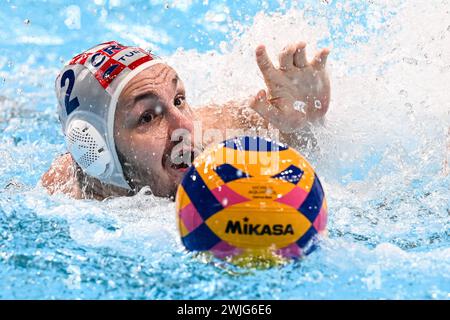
383,154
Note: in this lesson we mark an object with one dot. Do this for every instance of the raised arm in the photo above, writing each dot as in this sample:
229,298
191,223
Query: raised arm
297,94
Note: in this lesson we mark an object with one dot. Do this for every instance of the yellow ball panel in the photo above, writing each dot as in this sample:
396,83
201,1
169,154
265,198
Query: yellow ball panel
181,199
183,230
255,228
261,188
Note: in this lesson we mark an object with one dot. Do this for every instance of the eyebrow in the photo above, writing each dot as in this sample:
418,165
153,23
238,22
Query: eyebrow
152,94
146,95
175,81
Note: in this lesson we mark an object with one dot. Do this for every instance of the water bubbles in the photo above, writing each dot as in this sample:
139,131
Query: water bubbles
317,104
223,46
314,276
411,61
111,284
225,202
373,114
299,106
409,108
73,17
73,281
403,93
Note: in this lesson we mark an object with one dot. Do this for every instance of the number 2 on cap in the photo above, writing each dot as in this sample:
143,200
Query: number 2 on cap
74,103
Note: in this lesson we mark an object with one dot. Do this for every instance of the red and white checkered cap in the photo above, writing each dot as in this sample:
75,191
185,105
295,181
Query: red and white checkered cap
87,89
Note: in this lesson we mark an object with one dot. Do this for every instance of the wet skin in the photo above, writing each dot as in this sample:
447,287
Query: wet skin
151,108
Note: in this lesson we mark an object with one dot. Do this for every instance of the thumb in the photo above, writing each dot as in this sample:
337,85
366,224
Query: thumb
262,106
259,103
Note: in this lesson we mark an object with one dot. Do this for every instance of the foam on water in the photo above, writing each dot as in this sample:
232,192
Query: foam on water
381,158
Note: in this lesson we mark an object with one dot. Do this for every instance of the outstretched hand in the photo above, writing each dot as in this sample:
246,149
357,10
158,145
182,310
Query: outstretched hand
297,92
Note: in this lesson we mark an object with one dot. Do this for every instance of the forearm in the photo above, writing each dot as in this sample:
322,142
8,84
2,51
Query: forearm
237,118
230,119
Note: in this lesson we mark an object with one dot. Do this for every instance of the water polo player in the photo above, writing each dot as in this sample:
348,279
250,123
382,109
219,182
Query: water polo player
119,107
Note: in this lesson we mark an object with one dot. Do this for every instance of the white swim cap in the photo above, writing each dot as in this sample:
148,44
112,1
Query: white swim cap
87,89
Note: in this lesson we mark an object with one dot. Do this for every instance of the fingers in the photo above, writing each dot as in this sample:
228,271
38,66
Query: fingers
320,60
300,55
286,57
292,56
259,101
262,106
263,61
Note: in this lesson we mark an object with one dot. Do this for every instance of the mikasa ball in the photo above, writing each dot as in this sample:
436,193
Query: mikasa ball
248,197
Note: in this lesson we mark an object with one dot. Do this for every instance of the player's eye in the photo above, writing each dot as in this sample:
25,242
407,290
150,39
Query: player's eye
146,117
179,100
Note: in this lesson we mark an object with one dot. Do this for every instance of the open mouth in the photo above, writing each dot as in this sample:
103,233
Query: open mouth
181,161
183,166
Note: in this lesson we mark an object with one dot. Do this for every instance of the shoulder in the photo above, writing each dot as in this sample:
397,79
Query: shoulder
63,176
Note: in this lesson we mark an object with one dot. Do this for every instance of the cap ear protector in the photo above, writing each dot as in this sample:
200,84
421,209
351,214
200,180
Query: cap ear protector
88,148
88,89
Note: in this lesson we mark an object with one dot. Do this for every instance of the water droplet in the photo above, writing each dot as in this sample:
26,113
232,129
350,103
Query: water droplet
299,106
409,108
224,202
317,104
410,61
193,178
239,173
403,93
